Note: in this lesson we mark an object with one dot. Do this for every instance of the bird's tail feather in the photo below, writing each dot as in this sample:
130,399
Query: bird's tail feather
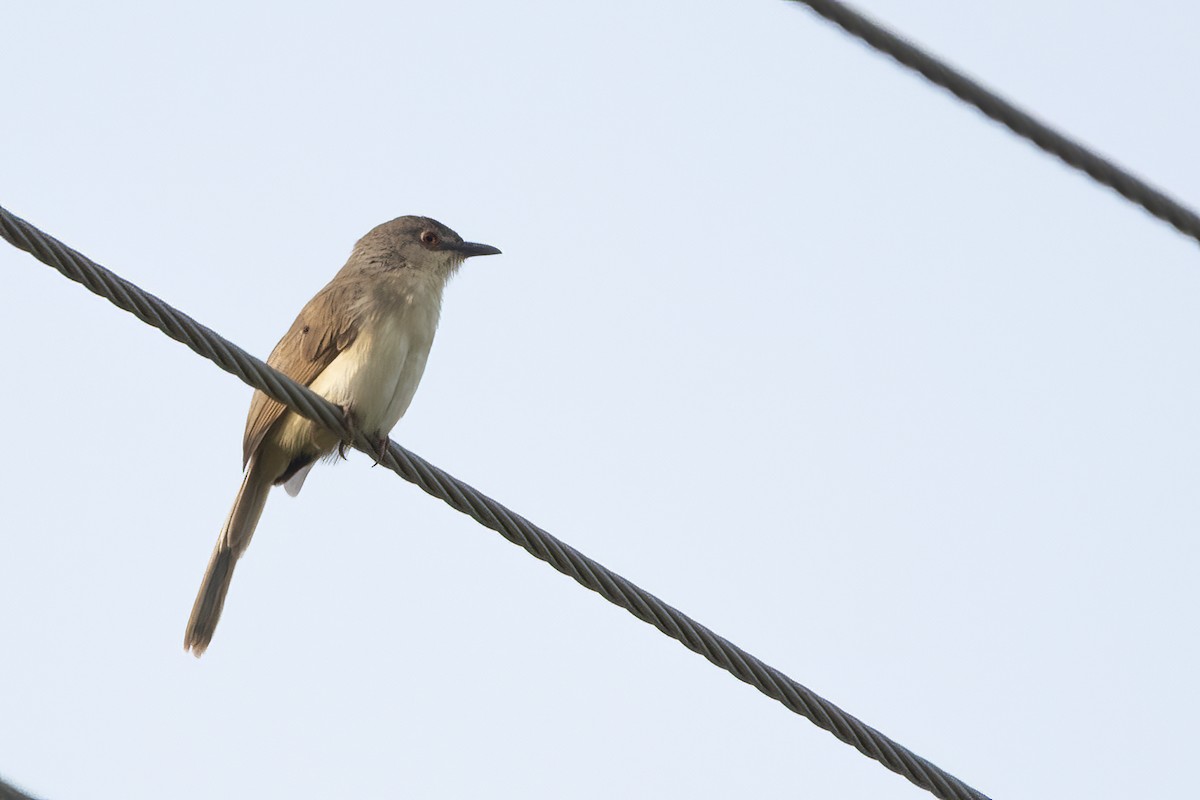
232,542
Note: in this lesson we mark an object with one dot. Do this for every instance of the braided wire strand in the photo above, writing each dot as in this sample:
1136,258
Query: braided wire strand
489,513
1020,122
10,792
538,542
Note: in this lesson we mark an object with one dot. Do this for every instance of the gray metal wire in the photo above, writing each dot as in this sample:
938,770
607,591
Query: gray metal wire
1020,122
10,792
489,513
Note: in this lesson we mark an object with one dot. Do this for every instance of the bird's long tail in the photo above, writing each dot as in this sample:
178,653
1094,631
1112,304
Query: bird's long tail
232,542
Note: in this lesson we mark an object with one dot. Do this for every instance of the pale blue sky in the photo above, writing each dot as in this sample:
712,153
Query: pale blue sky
785,335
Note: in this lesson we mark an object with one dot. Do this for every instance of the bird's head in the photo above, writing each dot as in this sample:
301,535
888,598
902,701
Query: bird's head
418,243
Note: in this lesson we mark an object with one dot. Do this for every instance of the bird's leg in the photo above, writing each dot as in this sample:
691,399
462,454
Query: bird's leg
352,423
381,449
379,440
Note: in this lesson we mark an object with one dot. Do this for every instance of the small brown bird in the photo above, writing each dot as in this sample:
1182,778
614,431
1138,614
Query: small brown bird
360,343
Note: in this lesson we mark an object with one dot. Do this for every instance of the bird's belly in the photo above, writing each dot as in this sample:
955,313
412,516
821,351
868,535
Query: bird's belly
377,375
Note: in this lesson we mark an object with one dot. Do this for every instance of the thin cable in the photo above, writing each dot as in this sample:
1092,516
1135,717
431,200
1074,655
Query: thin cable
1023,124
489,513
10,792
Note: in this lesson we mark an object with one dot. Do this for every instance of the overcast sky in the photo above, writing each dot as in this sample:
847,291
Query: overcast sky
785,335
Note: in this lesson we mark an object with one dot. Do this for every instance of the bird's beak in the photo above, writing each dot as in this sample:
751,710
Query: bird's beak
469,249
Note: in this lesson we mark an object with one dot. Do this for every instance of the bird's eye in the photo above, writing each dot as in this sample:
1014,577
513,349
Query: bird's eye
429,239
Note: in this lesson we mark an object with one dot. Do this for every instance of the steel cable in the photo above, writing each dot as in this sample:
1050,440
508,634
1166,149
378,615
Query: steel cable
10,792
488,512
1020,122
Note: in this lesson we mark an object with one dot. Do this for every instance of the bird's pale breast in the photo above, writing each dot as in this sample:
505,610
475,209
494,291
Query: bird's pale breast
378,374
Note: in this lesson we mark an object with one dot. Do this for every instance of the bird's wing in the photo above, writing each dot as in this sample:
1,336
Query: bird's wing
326,326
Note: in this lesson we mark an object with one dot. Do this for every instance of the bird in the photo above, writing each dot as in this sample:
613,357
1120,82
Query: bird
361,343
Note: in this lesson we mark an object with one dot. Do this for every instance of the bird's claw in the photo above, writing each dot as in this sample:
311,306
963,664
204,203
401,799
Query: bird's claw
379,444
381,450
352,424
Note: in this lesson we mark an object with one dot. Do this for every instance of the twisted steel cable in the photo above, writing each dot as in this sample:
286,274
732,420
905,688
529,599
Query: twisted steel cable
488,513
1025,125
10,792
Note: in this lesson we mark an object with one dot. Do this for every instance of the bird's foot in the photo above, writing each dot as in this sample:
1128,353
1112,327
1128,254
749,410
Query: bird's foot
379,442
381,449
352,423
